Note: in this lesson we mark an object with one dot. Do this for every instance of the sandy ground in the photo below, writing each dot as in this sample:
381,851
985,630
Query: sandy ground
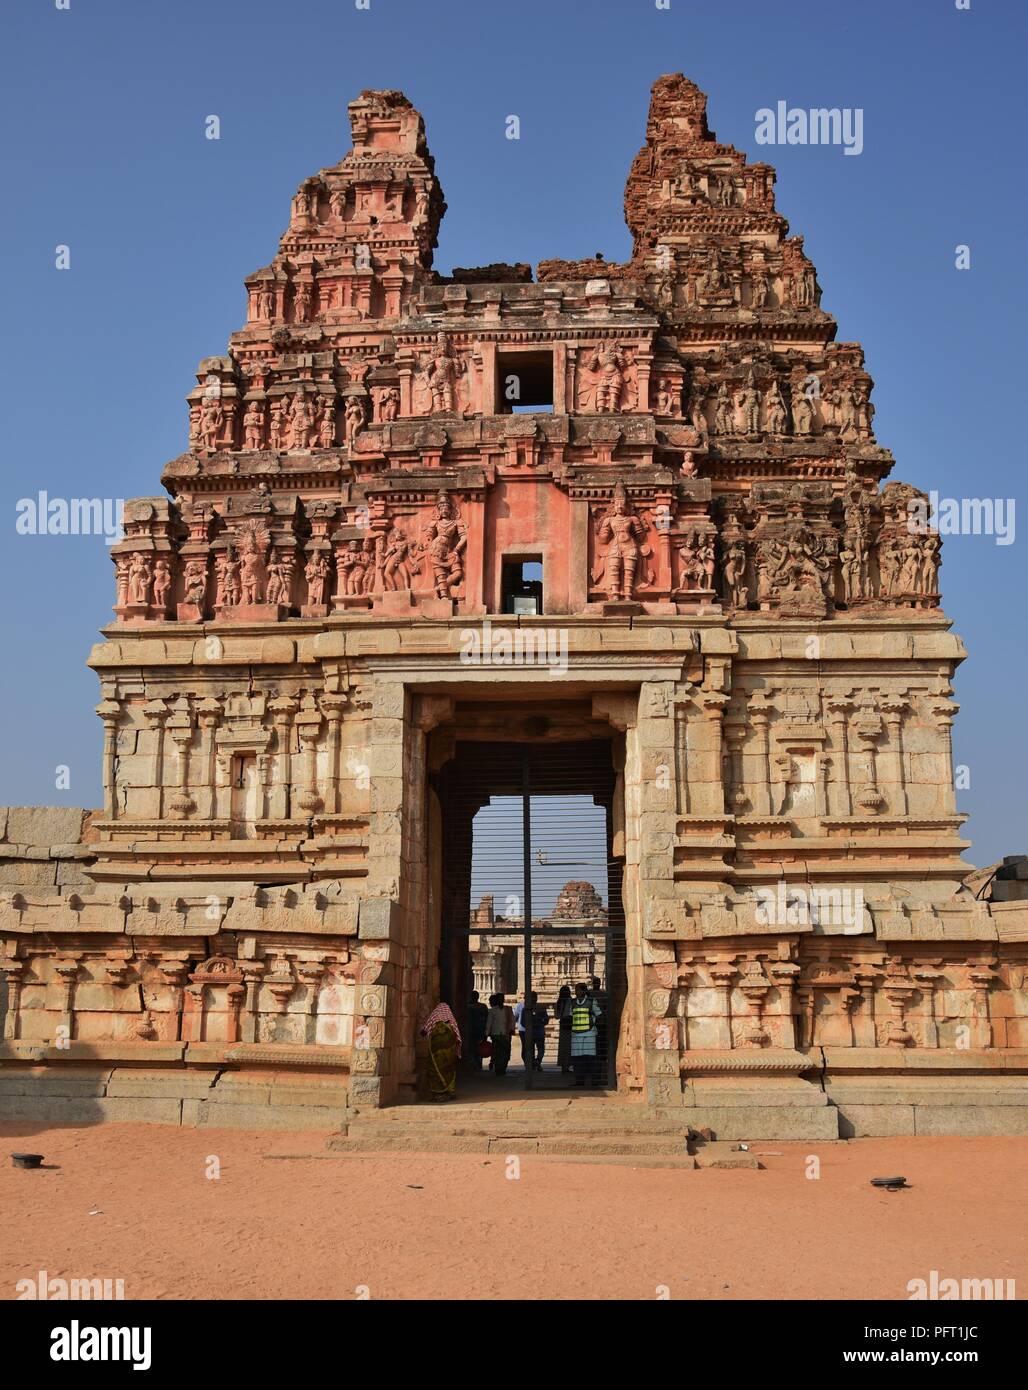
134,1202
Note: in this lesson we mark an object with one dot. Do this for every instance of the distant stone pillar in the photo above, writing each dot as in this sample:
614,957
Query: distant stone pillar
208,714
156,714
13,972
713,705
760,718
945,711
180,728
893,777
838,720
110,711
333,707
282,709
864,1033
308,724
722,974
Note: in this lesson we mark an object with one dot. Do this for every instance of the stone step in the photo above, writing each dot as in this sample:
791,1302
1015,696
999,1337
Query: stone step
422,1140
520,1129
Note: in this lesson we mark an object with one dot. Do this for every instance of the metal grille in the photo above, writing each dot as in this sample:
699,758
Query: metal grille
531,889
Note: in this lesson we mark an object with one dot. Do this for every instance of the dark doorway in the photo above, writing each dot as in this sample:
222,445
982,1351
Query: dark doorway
531,896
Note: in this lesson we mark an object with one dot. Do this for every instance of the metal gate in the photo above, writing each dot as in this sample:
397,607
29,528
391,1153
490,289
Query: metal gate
525,827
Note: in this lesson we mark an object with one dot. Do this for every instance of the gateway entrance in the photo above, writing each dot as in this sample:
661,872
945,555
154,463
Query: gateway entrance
531,902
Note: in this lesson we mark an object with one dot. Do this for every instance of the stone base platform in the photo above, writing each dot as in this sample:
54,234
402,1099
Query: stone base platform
200,1095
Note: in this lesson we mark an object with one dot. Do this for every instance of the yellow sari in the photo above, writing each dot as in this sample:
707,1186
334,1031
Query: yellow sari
442,1060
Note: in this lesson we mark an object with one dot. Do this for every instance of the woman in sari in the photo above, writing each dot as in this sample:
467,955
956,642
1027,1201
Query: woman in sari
444,1049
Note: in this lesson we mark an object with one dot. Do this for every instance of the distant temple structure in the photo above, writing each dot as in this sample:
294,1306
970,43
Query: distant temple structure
331,644
498,958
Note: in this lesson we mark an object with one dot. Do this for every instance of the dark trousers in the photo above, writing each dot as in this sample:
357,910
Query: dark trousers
501,1052
538,1047
585,1069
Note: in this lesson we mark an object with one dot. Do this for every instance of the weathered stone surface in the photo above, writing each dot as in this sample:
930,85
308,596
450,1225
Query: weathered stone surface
327,620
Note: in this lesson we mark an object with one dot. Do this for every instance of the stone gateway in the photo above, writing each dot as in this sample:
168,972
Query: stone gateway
752,677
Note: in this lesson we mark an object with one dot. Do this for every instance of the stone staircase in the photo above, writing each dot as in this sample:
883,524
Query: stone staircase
571,1130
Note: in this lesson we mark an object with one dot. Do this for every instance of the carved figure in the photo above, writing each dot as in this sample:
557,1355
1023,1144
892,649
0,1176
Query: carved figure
227,572
356,416
610,361
326,423
279,420
316,573
724,411
139,579
161,584
621,532
748,401
734,570
253,426
447,540
774,409
396,569
441,372
388,403
302,420
212,419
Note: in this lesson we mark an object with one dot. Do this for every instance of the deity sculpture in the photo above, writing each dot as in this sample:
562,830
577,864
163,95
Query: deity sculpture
195,582
279,418
351,566
303,427
396,568
388,403
301,301
802,410
668,397
212,420
734,571
724,411
748,401
844,404
447,540
774,409
326,423
610,361
280,579
714,282
316,573
161,584
356,417
622,533
441,371
760,286
139,579
696,562
253,426
227,573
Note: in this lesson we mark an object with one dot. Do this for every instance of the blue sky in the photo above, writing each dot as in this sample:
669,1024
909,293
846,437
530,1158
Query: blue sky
103,149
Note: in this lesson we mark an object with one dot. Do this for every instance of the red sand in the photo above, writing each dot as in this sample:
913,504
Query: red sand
454,1227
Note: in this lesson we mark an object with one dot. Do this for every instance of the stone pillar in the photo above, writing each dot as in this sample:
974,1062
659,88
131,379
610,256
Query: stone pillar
893,775
110,711
710,786
722,974
308,724
282,710
180,728
839,787
208,713
333,707
864,1032
945,711
156,714
13,971
760,718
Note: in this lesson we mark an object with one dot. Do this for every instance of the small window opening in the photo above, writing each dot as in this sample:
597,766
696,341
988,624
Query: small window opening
524,382
522,583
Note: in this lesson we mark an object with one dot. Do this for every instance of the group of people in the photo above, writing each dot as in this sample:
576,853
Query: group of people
580,1014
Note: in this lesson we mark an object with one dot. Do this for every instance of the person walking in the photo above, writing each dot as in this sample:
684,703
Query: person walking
561,1012
532,1057
444,1049
478,1017
597,992
584,1012
500,1028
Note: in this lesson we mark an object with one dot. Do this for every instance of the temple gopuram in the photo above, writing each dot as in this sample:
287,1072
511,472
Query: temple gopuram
621,530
